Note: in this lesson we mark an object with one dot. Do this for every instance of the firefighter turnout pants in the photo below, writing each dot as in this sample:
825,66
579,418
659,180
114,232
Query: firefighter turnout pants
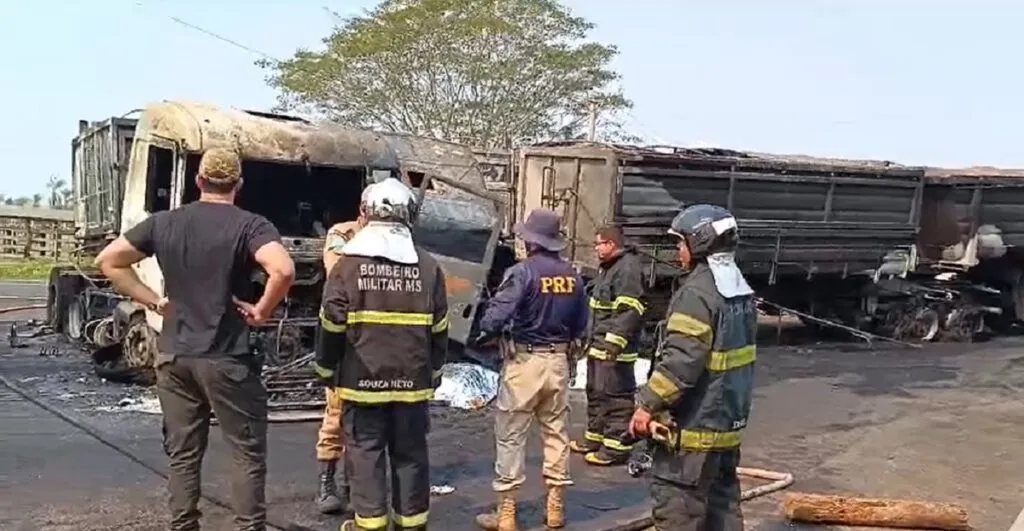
330,441
611,386
189,389
696,491
532,385
378,434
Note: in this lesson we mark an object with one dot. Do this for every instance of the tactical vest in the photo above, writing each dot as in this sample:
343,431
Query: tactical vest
712,414
551,310
388,329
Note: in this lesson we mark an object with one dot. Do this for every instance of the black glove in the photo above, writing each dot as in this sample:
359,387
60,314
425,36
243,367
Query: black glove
324,375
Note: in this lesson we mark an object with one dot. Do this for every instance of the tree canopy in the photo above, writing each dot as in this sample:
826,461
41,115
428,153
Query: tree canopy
490,73
59,196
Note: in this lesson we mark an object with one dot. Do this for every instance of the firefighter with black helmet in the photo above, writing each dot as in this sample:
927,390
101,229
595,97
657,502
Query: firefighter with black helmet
383,341
697,400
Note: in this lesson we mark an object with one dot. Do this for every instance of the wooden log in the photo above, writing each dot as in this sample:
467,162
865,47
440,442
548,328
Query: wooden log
871,512
1018,524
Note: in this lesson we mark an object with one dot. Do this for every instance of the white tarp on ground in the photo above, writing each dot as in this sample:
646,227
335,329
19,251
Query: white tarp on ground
470,386
467,386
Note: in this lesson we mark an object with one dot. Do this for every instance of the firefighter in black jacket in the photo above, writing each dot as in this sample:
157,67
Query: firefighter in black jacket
617,311
700,390
383,340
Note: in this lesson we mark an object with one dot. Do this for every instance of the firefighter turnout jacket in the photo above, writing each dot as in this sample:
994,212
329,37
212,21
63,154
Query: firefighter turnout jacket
384,329
617,308
705,375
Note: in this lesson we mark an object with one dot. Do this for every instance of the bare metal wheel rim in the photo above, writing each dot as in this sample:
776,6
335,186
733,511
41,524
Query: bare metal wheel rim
929,324
76,319
139,345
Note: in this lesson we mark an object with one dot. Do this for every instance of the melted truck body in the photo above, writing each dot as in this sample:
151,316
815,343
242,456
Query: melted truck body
301,176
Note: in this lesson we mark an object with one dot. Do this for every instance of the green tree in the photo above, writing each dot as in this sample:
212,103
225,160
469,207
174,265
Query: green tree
491,73
37,200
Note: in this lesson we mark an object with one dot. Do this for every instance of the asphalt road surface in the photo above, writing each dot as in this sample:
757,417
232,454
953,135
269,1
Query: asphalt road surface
941,423
16,294
25,289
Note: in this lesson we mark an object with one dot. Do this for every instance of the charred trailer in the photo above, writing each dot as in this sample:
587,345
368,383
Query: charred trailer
78,295
969,271
815,233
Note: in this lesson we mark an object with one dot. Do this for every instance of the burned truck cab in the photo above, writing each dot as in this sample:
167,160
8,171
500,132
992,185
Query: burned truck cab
302,177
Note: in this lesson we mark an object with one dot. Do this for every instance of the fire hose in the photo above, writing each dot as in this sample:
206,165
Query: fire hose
22,308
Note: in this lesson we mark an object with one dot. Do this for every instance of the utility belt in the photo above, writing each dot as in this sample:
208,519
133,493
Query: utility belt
570,350
553,348
509,348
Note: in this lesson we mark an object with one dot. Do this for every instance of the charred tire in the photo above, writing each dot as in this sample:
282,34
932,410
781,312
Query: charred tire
76,319
139,346
63,288
963,325
922,325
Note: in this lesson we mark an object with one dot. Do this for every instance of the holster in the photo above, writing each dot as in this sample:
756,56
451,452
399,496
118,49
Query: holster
572,356
506,347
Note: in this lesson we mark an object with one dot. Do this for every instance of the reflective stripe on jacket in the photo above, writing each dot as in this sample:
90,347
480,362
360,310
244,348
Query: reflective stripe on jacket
705,375
617,309
384,329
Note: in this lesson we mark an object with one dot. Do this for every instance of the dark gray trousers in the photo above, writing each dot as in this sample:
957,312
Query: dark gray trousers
190,388
696,491
374,435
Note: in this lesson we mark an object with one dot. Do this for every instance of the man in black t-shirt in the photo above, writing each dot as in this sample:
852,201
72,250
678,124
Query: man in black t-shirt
207,251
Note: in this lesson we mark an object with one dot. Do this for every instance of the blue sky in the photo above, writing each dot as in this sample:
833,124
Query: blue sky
935,82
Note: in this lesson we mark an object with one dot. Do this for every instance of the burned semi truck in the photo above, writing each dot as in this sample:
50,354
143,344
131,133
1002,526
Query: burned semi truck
302,177
900,250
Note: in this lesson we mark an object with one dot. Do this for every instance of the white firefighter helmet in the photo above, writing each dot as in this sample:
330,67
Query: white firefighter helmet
389,201
389,207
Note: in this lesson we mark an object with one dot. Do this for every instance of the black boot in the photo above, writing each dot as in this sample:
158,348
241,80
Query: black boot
328,500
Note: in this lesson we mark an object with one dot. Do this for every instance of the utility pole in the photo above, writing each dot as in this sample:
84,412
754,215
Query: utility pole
592,130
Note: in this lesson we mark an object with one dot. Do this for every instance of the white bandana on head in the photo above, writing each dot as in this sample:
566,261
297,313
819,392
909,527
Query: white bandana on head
728,278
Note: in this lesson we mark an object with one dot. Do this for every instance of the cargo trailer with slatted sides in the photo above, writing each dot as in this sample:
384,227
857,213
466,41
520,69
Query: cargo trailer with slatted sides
899,250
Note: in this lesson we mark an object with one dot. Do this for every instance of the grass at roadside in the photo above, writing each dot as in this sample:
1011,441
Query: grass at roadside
26,269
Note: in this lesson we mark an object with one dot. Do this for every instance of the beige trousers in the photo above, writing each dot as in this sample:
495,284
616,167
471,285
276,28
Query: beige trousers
532,385
330,442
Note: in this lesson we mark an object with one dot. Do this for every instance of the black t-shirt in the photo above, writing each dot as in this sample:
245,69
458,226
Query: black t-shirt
205,251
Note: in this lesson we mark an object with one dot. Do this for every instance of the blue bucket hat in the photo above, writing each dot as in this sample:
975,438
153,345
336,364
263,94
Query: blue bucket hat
542,228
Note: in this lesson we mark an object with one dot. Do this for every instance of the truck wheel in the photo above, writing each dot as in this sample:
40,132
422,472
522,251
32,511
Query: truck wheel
923,325
75,319
139,344
963,325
